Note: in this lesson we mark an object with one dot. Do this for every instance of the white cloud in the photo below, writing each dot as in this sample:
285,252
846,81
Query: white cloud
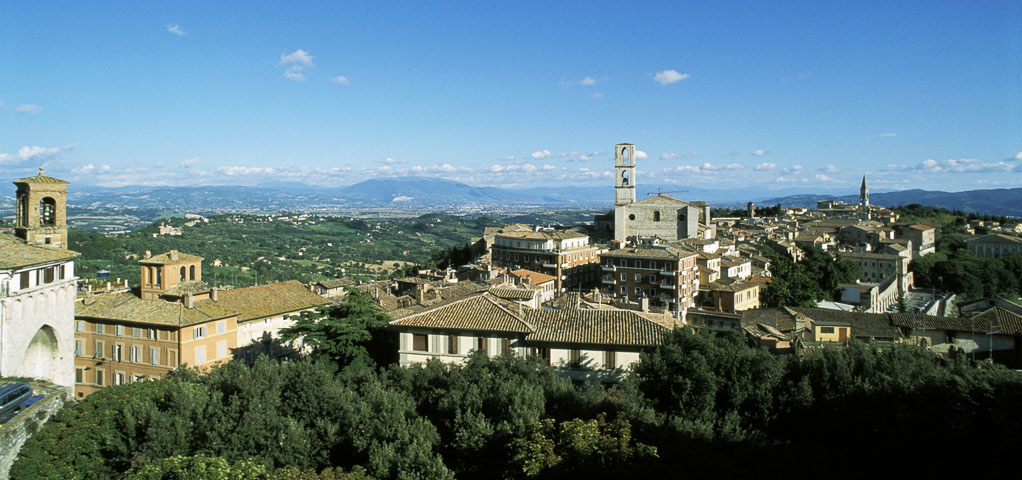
294,72
667,77
587,81
28,108
759,153
713,168
189,161
765,166
28,152
823,178
297,57
340,80
507,158
391,161
549,167
1018,156
579,157
87,168
176,30
830,169
792,170
242,170
669,156
528,167
596,96
640,155
540,154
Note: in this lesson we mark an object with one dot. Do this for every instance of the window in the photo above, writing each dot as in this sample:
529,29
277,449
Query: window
624,290
79,375
610,360
452,344
48,275
191,273
199,332
120,330
624,277
48,211
172,357
79,347
184,275
656,215
119,378
200,355
99,376
221,327
99,328
25,280
420,342
79,326
116,351
575,358
221,350
151,334
99,348
136,332
154,356
638,278
135,354
826,329
505,346
60,272
481,343
652,279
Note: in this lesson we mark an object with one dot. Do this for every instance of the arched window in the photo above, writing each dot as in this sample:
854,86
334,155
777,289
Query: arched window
624,178
183,278
48,211
191,273
656,215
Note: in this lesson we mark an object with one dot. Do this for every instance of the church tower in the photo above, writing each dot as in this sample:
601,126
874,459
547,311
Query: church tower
864,194
624,171
42,211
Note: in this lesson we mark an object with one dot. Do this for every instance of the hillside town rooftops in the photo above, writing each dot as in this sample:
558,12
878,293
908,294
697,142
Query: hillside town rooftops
651,252
477,313
268,300
596,327
128,307
996,239
532,278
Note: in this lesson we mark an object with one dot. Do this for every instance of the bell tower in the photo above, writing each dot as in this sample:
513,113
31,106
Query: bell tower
41,216
624,174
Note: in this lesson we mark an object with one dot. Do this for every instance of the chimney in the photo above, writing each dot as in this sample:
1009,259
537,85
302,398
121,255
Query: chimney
148,254
644,304
108,285
189,301
214,294
125,283
173,255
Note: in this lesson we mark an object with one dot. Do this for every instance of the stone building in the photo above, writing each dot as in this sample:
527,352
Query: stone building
993,246
37,286
660,216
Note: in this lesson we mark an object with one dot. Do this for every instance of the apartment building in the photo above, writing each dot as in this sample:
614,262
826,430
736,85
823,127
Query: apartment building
565,255
664,275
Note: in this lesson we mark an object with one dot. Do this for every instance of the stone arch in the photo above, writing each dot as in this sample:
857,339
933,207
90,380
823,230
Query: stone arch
624,178
41,356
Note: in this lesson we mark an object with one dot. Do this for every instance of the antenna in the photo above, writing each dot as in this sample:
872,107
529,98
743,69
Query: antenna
659,193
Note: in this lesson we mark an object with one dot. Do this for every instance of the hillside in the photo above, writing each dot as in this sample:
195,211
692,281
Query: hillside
1001,201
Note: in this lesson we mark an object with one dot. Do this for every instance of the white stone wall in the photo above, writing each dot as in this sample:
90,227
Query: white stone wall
24,312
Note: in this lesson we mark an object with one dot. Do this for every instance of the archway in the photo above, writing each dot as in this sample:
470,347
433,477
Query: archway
41,355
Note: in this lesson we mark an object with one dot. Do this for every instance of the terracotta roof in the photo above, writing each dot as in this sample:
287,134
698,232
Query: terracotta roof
40,178
534,278
594,327
864,325
14,253
170,257
511,293
662,199
659,253
335,283
922,228
1003,321
558,235
478,313
184,288
268,300
996,239
128,307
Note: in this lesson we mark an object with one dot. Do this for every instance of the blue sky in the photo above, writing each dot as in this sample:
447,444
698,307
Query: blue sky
760,94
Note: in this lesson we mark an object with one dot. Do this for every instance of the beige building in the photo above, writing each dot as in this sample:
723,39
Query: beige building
565,255
878,267
731,295
661,216
661,275
993,246
923,238
593,344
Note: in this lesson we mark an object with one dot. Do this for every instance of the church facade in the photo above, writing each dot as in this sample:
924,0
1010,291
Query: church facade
661,216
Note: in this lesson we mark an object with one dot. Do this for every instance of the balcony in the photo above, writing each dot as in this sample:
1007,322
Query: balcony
608,282
549,265
608,268
667,273
667,286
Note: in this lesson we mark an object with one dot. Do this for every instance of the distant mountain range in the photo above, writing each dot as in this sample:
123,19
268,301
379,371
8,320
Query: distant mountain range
413,193
1000,201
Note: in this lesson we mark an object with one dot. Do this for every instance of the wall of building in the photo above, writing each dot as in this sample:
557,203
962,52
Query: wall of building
17,431
221,338
95,368
36,325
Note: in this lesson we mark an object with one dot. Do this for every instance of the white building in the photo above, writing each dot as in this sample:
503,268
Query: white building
37,286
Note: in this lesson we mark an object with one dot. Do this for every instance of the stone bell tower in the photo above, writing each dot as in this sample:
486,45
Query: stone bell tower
624,171
41,216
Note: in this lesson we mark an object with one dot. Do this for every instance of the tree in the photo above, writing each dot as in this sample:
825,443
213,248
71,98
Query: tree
346,333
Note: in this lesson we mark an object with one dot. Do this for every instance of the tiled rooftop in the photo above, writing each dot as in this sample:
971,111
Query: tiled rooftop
16,253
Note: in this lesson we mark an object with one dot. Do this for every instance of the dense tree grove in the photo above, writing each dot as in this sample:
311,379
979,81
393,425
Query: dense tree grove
803,284
698,405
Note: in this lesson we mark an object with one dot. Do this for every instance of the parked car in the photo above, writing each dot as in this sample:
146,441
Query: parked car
12,395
